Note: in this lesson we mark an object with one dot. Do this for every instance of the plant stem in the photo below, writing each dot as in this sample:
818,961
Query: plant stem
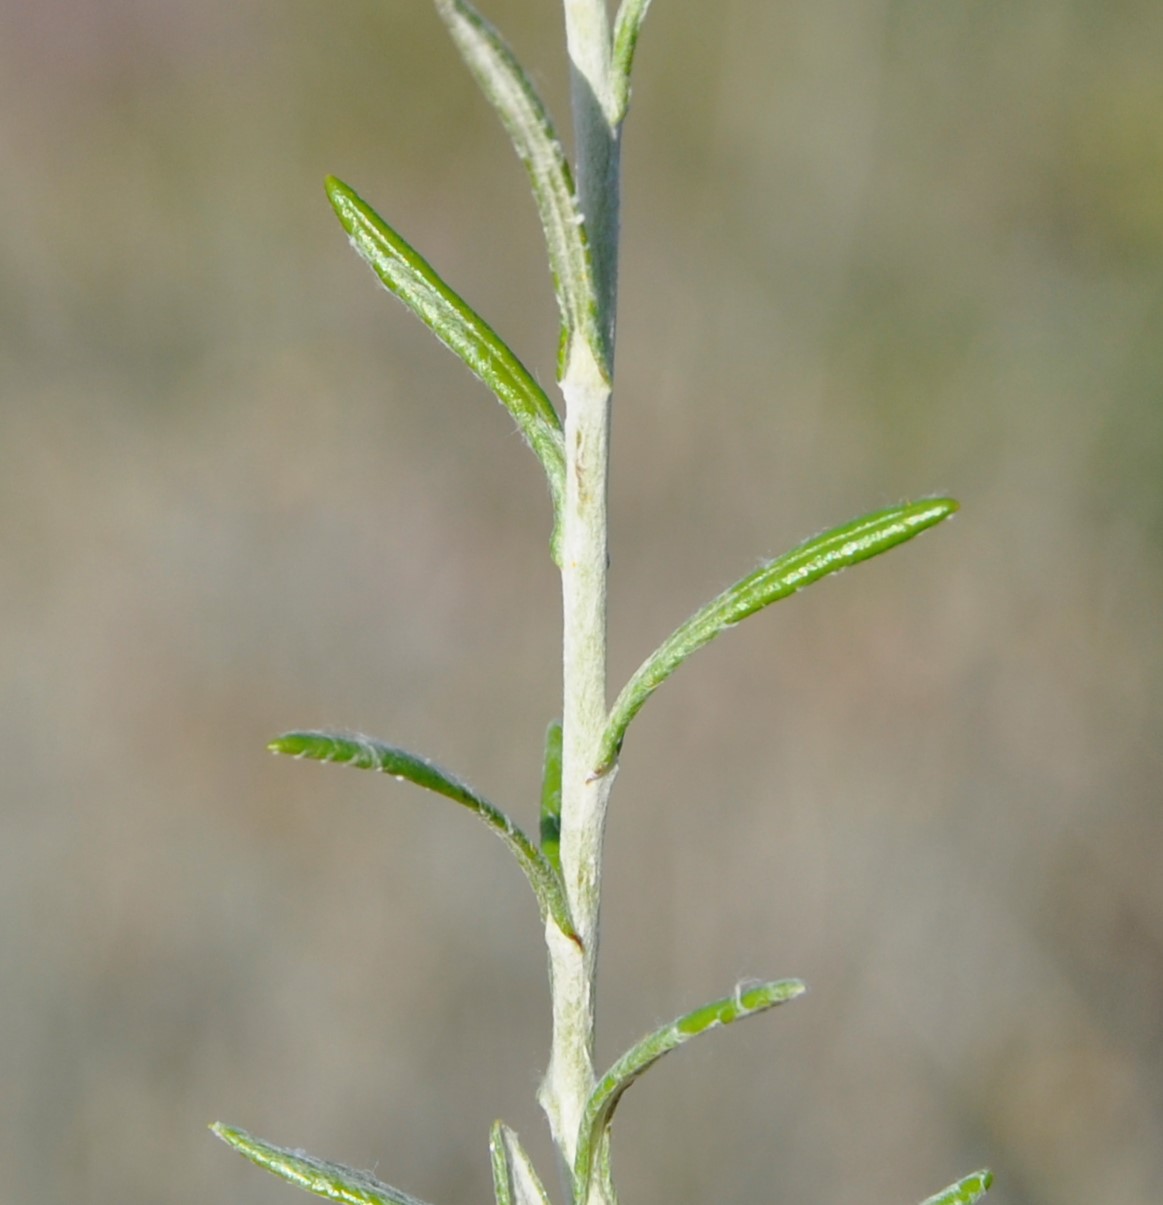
585,385
597,136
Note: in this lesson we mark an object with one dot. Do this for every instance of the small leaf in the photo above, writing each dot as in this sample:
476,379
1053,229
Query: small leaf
745,1002
626,26
515,1181
816,558
331,1180
367,754
458,326
507,87
551,797
964,1192
604,1172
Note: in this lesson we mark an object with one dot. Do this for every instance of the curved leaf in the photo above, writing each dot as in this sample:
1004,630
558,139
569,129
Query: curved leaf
527,122
515,1181
744,1002
367,754
333,1181
458,326
626,26
551,797
816,558
964,1192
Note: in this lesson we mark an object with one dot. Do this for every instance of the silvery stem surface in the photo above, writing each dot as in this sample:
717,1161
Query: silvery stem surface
585,386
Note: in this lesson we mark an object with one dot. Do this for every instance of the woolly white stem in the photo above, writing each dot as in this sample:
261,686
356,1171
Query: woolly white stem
569,1079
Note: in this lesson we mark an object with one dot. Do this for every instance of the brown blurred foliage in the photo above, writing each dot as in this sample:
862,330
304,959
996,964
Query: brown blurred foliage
872,250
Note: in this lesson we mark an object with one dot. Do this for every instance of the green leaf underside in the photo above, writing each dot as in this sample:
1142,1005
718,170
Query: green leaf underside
626,27
744,1002
604,1171
405,273
964,1192
351,749
551,797
814,559
333,1181
515,1181
502,1167
527,122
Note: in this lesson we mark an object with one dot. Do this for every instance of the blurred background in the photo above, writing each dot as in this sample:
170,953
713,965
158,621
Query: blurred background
873,249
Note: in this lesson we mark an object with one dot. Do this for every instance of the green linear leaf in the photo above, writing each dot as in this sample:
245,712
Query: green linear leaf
526,120
515,1180
626,27
604,1171
744,1002
964,1192
351,749
551,797
458,326
815,558
503,1191
331,1180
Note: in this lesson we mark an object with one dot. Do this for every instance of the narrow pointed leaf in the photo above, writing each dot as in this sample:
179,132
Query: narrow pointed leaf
744,1002
503,1190
816,558
964,1192
367,754
603,1171
515,1181
333,1181
551,797
527,122
458,326
626,26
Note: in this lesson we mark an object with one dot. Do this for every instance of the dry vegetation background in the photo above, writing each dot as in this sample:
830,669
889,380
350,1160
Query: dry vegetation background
874,249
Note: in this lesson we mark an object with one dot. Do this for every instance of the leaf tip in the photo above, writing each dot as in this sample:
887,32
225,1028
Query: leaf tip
343,198
928,512
966,1191
228,1134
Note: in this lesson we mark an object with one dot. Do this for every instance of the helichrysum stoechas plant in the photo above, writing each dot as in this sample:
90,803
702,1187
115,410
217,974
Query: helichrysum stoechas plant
579,212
